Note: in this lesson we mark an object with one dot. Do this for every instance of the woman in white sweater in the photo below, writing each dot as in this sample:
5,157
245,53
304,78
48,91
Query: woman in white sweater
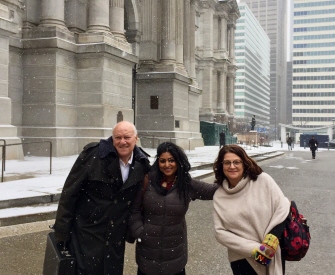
249,213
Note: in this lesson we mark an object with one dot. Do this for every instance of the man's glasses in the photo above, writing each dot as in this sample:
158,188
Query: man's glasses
236,163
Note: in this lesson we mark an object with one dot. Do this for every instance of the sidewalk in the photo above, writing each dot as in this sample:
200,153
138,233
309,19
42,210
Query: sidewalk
36,198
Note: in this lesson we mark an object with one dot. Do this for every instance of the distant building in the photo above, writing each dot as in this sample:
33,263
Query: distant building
272,16
313,63
252,83
289,93
215,58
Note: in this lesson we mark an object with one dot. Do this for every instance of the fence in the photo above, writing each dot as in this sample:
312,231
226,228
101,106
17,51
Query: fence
15,144
3,155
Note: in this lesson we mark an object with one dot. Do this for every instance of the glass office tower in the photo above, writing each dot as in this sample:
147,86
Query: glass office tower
272,14
252,83
313,94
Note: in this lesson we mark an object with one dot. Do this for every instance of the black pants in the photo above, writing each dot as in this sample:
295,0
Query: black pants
313,153
139,272
242,267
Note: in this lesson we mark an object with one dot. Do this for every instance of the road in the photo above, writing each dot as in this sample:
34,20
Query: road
309,182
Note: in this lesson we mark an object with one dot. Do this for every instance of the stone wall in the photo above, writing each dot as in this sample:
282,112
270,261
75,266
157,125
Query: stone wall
72,69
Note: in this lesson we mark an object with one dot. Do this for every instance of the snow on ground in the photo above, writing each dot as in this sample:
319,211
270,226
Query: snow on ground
31,177
32,166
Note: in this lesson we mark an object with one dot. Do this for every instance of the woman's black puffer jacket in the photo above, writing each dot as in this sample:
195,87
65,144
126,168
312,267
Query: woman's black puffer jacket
159,226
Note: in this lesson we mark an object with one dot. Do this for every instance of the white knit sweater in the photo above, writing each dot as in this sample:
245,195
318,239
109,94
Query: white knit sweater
245,214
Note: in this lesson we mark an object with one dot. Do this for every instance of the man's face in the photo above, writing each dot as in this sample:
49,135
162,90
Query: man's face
124,140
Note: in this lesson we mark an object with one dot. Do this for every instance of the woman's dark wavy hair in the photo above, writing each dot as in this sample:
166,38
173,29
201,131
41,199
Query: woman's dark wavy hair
183,167
250,166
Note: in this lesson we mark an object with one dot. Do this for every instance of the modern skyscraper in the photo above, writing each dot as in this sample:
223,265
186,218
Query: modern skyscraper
272,16
289,93
314,63
252,83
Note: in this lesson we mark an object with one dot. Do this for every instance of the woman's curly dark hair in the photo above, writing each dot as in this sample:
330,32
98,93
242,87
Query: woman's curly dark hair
250,166
183,167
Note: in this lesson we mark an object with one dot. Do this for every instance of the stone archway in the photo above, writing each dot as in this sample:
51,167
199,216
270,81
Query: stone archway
132,24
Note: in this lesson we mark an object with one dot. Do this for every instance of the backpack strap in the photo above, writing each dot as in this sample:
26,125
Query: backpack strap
294,211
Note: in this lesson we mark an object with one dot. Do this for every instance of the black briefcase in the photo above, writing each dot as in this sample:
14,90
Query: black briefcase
58,260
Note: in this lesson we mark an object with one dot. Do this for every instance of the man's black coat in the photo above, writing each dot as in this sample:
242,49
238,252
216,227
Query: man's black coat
94,207
222,139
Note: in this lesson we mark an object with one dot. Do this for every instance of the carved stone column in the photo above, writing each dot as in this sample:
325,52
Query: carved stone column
180,33
187,34
231,80
223,33
208,27
168,46
231,40
222,92
98,16
52,14
116,18
192,41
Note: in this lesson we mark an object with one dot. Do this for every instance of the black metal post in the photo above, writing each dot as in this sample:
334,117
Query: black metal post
3,161
4,154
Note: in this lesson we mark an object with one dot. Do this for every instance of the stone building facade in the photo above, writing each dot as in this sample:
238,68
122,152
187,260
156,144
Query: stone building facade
71,69
215,59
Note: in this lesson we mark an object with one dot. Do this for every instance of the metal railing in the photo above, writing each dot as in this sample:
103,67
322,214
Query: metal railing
3,155
14,144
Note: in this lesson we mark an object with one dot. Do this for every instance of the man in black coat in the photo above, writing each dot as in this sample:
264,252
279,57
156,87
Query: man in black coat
313,145
289,143
222,139
96,200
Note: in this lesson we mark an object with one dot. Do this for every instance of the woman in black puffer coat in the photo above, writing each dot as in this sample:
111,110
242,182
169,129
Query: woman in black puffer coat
157,220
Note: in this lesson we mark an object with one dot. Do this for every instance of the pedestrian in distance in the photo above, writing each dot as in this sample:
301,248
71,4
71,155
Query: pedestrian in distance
222,138
158,220
249,213
97,198
313,146
289,143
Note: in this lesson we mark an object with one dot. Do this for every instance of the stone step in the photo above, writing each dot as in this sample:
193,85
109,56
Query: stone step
22,202
27,214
